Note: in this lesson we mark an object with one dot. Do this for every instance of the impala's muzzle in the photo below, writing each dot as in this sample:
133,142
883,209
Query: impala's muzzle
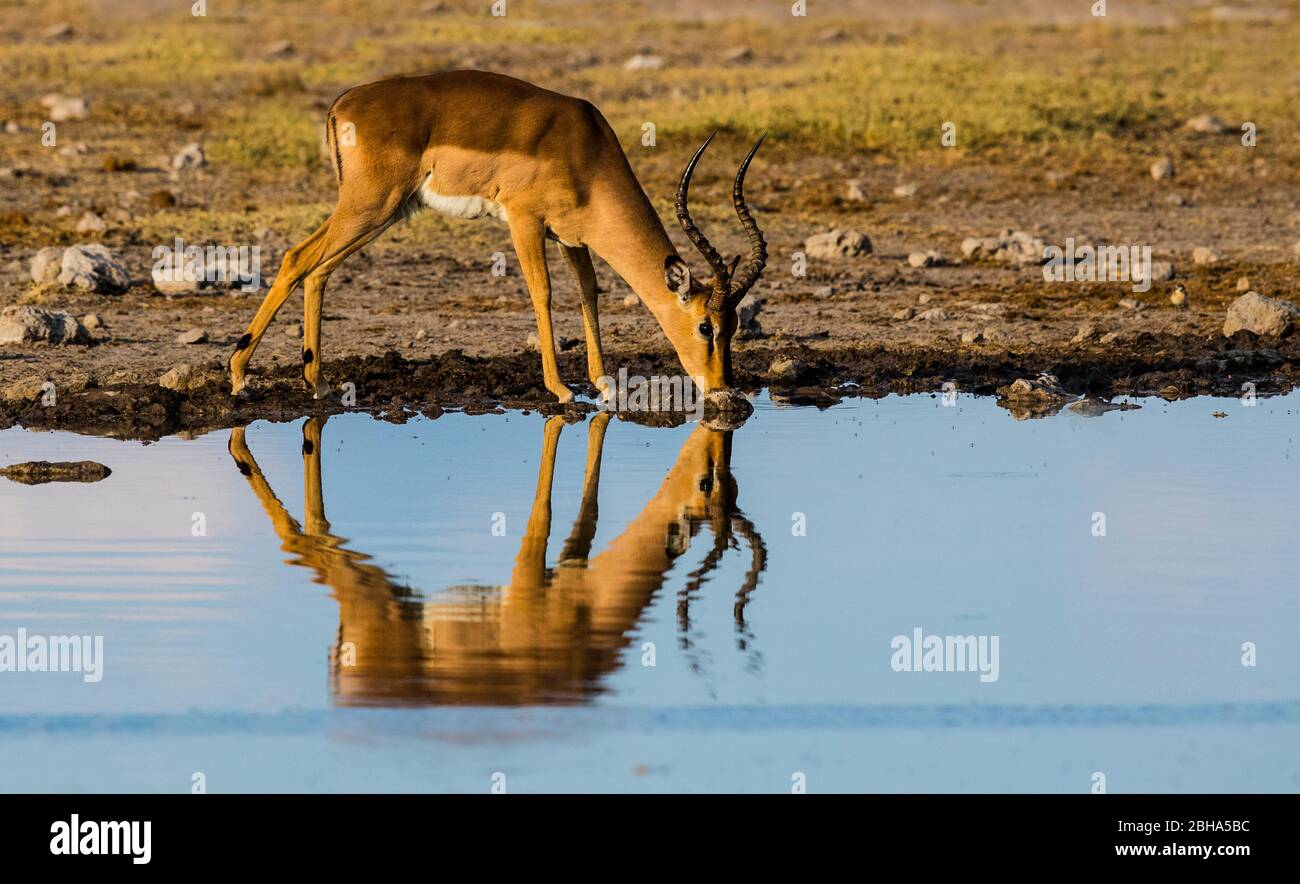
728,401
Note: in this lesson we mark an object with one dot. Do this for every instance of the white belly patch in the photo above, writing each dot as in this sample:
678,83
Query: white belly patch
461,206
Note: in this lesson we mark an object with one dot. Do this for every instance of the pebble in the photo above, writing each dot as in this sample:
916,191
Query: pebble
1163,168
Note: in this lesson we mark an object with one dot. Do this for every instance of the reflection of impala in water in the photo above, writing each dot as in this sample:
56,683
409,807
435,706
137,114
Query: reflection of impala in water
552,633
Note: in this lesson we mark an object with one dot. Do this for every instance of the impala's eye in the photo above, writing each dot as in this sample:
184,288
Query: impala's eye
706,484
706,329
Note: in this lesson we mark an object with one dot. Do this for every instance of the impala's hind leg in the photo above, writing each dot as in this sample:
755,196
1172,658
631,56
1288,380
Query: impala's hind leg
579,261
313,290
342,233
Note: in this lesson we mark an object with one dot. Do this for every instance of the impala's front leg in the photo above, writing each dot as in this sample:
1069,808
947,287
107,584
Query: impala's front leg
529,236
580,263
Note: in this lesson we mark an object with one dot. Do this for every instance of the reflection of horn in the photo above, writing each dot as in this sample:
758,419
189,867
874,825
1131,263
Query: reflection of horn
551,635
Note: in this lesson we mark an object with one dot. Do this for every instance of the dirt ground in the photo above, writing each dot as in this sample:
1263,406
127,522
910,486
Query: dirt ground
419,323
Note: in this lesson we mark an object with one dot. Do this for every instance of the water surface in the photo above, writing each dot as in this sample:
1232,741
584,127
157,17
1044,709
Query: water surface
601,606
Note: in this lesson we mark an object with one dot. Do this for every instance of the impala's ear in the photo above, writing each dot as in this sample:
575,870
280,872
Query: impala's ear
677,276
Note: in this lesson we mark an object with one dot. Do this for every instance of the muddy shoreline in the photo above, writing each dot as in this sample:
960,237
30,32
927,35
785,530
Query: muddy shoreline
396,388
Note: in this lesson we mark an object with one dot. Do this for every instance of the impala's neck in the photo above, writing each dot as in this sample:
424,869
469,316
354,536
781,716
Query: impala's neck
627,233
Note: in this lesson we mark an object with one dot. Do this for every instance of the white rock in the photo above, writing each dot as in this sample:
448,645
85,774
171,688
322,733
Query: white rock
93,267
747,315
46,265
191,156
63,108
20,324
91,223
643,62
1207,124
1204,255
1253,312
1163,168
192,336
837,244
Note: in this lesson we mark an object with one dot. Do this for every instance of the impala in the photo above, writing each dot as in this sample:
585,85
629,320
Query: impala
553,633
473,144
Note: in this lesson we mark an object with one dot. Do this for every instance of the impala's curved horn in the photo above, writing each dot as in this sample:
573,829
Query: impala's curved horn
748,275
693,233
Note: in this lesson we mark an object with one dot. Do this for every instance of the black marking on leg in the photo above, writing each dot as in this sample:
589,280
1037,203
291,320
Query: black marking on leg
244,468
244,342
307,448
307,356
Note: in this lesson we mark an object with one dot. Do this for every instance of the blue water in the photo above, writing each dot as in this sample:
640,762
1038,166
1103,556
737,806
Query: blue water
1120,654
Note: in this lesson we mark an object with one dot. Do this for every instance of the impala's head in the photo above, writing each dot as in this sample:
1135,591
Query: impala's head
703,338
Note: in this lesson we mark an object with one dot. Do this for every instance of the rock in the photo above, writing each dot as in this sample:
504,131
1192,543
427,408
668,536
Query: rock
924,259
905,191
905,314
294,330
1176,199
738,55
1098,407
26,390
1162,271
165,285
1163,168
1254,15
924,298
643,62
46,265
278,49
20,324
994,335
38,472
1130,304
1207,124
91,223
934,314
857,191
1204,255
972,337
837,244
62,108
93,267
1268,317
60,33
1033,398
93,321
786,368
1086,333
182,378
1009,246
192,336
823,291
747,315
1109,338
631,300
191,156
1243,284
